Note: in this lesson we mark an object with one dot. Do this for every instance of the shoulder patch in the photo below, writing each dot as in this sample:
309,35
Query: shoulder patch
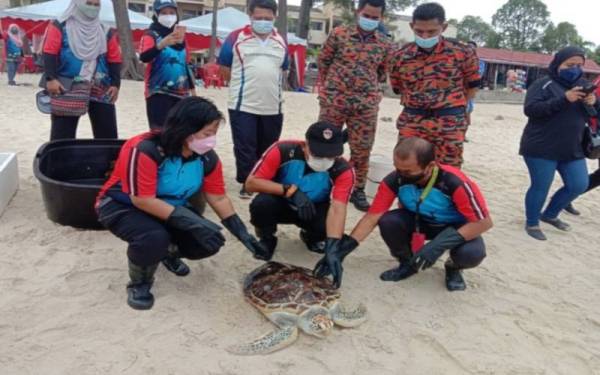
210,161
290,151
340,166
151,148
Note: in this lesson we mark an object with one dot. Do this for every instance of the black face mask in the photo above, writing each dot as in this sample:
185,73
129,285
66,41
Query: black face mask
411,179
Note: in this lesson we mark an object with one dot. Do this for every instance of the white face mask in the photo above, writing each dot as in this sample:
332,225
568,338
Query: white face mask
319,164
167,20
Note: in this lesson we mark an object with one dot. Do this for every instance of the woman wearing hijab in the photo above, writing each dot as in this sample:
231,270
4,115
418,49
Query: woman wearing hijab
551,141
146,200
78,50
162,48
14,52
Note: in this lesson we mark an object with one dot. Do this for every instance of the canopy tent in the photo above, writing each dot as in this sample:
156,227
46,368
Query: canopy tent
199,30
35,14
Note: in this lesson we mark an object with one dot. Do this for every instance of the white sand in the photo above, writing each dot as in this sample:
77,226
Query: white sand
530,308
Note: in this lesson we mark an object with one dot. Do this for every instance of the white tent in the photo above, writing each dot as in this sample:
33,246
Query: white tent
53,9
228,19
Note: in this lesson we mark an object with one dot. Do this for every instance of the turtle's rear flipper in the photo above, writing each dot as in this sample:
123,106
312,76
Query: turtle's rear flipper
349,318
268,343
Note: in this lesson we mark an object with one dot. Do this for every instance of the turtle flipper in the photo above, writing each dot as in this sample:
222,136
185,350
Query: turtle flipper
349,318
268,343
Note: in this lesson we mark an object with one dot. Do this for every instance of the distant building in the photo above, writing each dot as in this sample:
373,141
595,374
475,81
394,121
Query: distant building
497,63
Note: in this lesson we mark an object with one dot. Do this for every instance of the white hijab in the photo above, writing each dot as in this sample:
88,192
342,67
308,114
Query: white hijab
86,36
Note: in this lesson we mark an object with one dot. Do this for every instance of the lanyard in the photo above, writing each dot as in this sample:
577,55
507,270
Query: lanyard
424,195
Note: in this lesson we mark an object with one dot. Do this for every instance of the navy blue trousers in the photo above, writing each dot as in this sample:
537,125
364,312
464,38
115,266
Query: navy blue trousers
252,136
397,227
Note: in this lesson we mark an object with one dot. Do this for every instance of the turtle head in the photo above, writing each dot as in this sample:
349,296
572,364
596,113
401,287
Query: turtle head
316,321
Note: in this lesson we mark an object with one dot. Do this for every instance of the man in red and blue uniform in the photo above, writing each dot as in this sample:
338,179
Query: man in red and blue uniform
436,202
305,183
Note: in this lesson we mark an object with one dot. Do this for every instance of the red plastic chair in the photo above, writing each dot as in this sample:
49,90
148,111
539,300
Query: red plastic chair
212,75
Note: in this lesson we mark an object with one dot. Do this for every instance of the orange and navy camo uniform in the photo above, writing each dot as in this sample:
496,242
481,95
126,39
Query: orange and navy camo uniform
433,88
351,65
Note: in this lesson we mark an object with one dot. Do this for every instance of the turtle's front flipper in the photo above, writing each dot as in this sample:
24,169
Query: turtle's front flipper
268,343
349,318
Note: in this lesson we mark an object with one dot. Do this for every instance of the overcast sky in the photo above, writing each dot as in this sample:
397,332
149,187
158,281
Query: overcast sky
584,14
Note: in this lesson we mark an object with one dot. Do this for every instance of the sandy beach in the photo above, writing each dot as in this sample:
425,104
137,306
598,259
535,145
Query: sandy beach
531,307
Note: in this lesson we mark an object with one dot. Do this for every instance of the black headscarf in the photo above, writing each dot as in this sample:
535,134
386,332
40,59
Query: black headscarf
163,31
560,57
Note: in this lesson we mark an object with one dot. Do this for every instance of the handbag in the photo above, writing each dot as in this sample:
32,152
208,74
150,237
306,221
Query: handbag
73,102
591,143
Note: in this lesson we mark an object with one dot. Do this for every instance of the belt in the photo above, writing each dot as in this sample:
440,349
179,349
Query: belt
453,111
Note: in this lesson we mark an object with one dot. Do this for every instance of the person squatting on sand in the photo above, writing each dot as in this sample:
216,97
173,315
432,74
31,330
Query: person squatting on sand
163,49
254,60
552,139
305,183
437,202
82,69
145,201
352,63
436,77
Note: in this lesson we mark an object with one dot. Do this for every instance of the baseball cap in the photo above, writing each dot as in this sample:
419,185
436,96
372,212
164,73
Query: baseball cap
161,4
325,140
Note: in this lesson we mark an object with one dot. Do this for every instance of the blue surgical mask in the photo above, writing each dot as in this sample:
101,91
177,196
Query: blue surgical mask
367,24
427,43
262,26
571,74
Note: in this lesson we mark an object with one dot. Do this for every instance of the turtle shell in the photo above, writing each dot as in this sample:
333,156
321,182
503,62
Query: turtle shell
278,286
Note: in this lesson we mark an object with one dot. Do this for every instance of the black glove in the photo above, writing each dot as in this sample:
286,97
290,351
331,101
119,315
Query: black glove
236,226
335,253
448,239
306,208
204,231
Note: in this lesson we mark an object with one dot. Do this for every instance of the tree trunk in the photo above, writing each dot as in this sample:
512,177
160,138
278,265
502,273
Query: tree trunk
14,3
282,19
213,33
304,19
131,66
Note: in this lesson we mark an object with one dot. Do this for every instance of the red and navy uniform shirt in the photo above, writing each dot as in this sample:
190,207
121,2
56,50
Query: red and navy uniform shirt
56,43
285,162
138,169
454,198
168,72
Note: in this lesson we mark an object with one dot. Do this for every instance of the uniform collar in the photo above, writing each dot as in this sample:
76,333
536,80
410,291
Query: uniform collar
357,34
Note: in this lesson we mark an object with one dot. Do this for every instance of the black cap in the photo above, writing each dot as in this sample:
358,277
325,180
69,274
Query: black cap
325,140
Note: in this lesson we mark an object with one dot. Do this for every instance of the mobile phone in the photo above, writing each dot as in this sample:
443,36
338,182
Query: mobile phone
588,89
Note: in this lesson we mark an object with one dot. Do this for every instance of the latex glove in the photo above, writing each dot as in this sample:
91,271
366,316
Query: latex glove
236,226
306,208
204,231
448,239
335,253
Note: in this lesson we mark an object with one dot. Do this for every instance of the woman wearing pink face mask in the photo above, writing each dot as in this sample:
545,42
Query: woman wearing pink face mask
145,201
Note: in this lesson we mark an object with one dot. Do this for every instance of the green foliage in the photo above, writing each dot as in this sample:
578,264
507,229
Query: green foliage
475,29
520,23
562,35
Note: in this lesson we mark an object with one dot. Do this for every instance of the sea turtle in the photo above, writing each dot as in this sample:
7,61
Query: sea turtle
292,298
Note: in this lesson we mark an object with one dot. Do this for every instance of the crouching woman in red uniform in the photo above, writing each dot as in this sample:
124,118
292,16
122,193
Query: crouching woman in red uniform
145,201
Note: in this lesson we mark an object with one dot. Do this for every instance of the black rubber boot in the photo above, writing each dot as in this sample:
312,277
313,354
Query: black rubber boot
359,199
266,236
312,245
454,279
138,289
403,271
174,263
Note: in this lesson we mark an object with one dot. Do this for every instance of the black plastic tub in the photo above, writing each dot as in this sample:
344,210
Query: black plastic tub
71,173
